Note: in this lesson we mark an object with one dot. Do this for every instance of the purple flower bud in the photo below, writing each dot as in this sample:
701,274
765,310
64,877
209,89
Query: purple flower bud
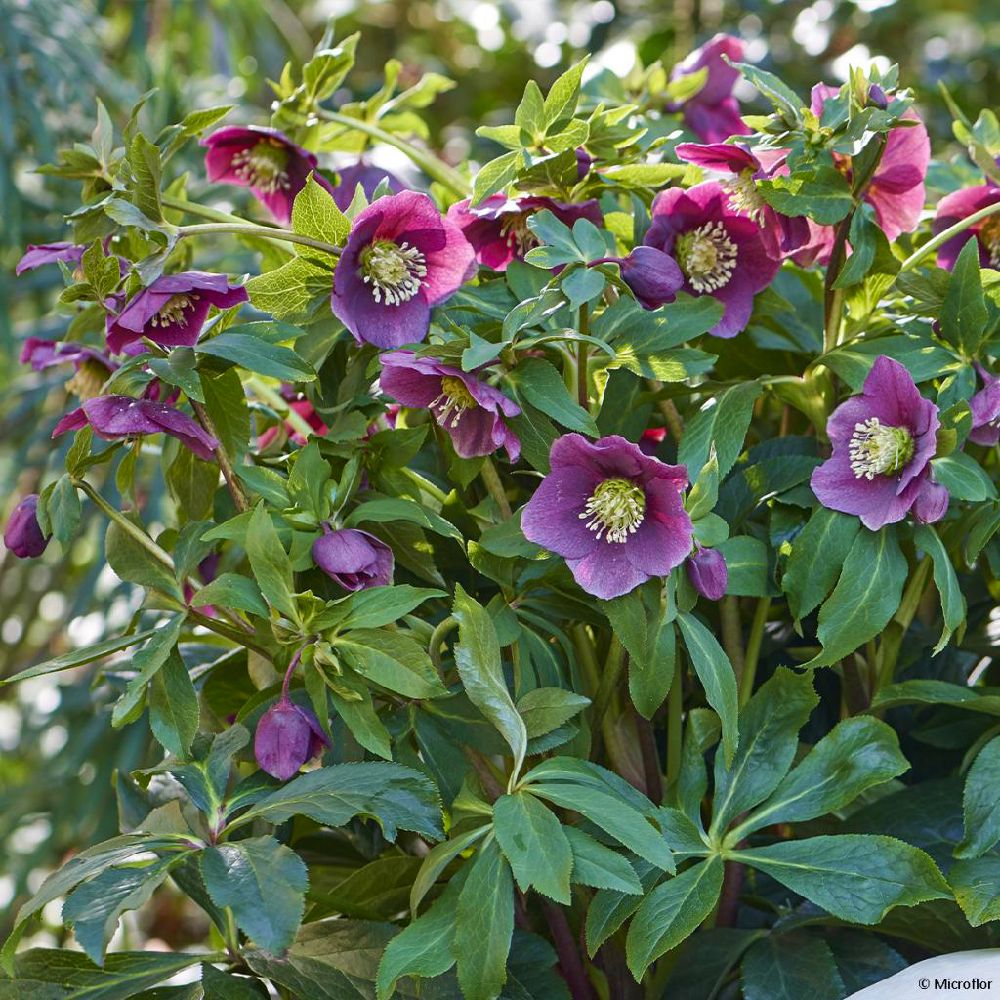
354,559
653,276
878,97
931,503
708,573
287,736
584,161
23,534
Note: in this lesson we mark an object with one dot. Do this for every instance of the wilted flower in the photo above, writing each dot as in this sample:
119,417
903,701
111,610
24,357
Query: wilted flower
784,234
264,160
708,572
721,253
470,410
985,406
116,417
498,229
713,114
401,259
172,310
23,535
959,205
368,176
49,253
354,559
614,514
883,442
653,276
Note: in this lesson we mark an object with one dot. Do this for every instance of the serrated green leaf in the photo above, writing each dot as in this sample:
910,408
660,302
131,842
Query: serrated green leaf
945,580
173,706
270,563
818,553
980,804
724,423
534,844
963,317
315,214
598,866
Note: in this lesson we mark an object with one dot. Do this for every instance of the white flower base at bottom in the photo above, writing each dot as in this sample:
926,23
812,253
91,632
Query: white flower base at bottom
964,975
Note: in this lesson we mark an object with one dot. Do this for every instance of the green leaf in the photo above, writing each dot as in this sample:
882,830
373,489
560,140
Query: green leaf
598,866
865,598
315,214
496,174
724,423
854,877
225,401
529,116
963,316
192,483
532,839
263,883
539,382
929,692
818,554
980,803
546,708
582,285
963,476
789,967
477,657
293,290
134,563
561,100
392,660
230,590
173,706
769,727
716,675
945,580
379,606
485,925
146,662
380,511
328,68
609,909
784,99
747,565
974,882
857,754
671,912
270,563
438,858
144,191
257,355
821,192
396,797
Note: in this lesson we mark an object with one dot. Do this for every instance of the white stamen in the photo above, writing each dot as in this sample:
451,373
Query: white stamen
454,401
744,196
263,166
879,449
172,311
707,256
394,272
615,510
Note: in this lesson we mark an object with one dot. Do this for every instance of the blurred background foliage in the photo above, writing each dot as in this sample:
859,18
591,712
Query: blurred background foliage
57,751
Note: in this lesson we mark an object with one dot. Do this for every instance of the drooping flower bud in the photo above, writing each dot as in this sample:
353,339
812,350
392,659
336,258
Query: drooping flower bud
708,573
354,559
654,276
287,736
23,534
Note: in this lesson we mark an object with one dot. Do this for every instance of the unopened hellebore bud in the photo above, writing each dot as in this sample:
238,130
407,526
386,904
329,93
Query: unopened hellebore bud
354,559
23,534
287,736
708,573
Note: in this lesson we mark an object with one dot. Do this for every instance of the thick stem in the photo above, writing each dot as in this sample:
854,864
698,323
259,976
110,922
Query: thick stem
583,360
732,634
671,414
240,499
729,901
265,232
568,951
296,660
675,723
946,234
754,640
893,637
201,211
491,480
650,759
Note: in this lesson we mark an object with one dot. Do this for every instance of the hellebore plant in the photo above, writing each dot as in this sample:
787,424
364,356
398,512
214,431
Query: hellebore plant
573,569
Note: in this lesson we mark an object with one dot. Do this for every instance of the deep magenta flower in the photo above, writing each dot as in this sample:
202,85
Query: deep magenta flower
91,367
720,252
172,310
959,205
354,559
713,114
708,573
365,174
654,277
985,406
401,259
614,514
287,736
470,410
23,534
264,160
883,442
116,417
40,254
784,234
498,229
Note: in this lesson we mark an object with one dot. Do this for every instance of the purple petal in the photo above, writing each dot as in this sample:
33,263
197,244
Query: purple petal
23,535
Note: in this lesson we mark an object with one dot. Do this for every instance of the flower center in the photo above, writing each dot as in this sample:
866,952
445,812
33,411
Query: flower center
744,196
707,256
394,271
88,380
172,311
515,229
615,509
989,236
877,449
264,166
454,400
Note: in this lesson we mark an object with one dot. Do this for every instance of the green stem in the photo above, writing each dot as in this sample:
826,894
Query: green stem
201,211
582,360
585,658
437,639
609,680
430,164
754,641
264,232
732,634
240,499
675,723
932,244
893,637
491,480
425,484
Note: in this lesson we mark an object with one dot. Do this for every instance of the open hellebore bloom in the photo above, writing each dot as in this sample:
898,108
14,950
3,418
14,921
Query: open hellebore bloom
401,259
262,159
721,253
958,205
784,234
883,442
354,559
470,410
498,229
708,573
713,114
23,534
985,406
365,174
172,310
40,254
613,513
115,417
287,736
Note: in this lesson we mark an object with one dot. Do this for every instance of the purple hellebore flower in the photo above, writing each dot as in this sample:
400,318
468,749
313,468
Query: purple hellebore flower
722,253
40,254
115,417
91,367
713,114
654,276
354,559
784,234
368,176
470,410
401,259
498,229
958,205
614,514
883,442
287,736
985,406
264,160
172,310
23,534
708,573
